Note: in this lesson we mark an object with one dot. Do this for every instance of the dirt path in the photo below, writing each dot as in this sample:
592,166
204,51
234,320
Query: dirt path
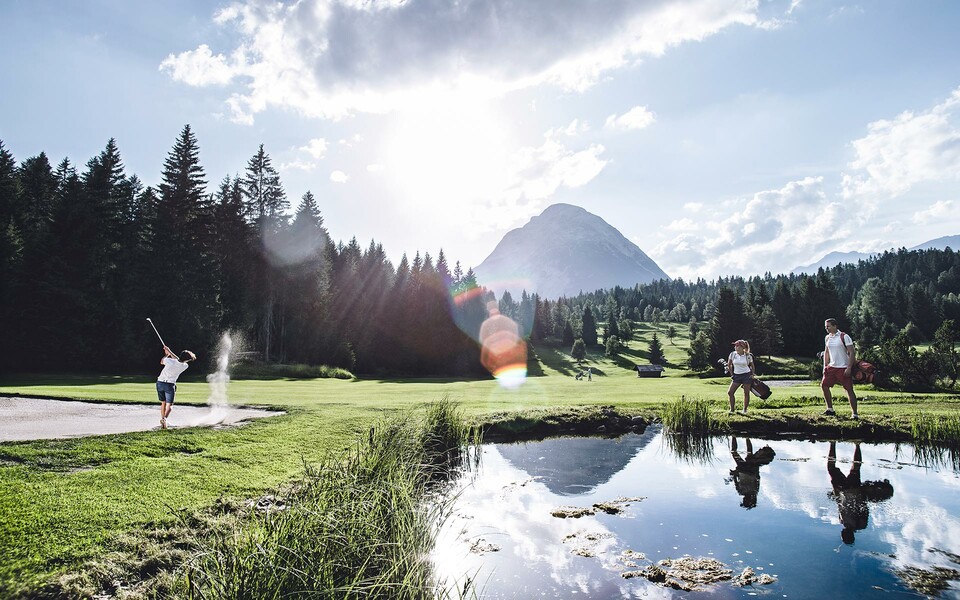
36,419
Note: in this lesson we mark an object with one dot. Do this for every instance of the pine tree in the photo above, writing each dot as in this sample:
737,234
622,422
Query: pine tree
263,192
588,331
183,260
655,351
728,325
699,352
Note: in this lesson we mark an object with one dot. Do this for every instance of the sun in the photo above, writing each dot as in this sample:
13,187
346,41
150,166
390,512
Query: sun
447,155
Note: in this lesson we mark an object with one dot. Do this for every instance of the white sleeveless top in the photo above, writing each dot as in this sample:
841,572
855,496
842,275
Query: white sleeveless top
741,362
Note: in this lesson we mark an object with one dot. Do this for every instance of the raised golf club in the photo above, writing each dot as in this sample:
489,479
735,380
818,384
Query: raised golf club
161,339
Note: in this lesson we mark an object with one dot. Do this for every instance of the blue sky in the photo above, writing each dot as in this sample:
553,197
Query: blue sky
722,137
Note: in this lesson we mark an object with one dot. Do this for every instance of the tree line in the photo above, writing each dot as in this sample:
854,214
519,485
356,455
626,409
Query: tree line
87,254
888,303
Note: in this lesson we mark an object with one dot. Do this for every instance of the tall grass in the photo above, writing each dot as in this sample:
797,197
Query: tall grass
935,429
357,526
689,424
689,417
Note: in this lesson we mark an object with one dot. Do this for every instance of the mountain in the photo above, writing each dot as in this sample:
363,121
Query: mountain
941,243
836,258
576,466
563,251
833,259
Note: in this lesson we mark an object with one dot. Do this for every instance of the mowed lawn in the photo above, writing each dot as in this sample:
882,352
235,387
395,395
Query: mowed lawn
63,502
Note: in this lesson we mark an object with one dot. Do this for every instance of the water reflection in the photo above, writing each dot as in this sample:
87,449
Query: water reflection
504,535
569,466
852,495
746,477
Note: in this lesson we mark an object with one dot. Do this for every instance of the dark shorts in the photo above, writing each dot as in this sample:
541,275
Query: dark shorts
166,391
743,378
835,375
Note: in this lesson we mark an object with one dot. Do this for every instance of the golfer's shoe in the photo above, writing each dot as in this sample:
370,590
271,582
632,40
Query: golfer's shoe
163,423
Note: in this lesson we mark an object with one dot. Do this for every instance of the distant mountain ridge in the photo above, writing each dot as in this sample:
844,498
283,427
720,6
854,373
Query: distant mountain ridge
563,251
836,258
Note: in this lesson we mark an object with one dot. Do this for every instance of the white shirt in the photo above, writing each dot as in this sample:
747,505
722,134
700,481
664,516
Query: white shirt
741,362
171,370
837,349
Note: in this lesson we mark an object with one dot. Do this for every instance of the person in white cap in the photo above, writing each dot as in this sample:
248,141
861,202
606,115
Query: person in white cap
167,381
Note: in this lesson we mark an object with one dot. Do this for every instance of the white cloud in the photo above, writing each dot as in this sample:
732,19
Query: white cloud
772,230
375,168
938,211
339,177
331,58
684,224
198,67
637,117
693,206
317,148
300,165
540,172
575,128
910,149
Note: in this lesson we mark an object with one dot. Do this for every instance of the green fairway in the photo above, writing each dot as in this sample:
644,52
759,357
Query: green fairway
64,502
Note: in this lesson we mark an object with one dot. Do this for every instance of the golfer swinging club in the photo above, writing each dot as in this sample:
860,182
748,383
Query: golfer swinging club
167,381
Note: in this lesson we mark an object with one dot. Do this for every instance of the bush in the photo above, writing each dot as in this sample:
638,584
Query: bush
612,346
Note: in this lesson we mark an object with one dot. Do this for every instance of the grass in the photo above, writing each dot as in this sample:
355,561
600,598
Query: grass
936,429
353,528
688,417
65,504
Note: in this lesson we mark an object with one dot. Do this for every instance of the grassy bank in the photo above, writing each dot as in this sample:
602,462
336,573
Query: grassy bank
352,528
64,503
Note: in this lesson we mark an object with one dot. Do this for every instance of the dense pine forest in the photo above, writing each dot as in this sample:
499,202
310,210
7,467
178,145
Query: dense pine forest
87,254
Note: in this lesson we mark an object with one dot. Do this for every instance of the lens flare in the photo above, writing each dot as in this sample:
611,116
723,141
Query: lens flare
502,351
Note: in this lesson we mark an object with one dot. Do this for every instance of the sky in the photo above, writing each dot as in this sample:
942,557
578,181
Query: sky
722,137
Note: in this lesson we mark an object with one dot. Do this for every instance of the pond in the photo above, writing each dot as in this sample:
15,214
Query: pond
631,518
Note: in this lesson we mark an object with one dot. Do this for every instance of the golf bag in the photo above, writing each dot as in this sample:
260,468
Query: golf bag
760,389
864,372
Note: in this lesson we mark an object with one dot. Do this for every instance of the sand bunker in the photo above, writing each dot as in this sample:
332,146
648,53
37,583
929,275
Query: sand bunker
38,419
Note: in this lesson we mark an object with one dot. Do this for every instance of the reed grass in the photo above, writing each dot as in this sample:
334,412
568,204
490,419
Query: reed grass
356,526
689,425
935,429
690,417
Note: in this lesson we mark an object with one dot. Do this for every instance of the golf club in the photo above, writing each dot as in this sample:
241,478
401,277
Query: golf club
161,339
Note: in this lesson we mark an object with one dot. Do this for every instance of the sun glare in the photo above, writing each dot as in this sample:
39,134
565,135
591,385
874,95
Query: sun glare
447,156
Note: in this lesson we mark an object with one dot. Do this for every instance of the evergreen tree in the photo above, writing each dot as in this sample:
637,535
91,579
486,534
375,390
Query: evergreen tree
699,352
729,324
655,351
588,331
568,336
443,270
944,347
234,253
263,192
922,311
768,339
183,262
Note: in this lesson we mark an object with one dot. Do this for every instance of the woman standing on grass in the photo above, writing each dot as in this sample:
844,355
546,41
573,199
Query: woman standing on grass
741,369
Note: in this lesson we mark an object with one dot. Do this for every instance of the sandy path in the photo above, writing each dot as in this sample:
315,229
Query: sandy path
37,419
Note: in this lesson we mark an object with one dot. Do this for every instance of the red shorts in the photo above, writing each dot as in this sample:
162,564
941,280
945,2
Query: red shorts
835,375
